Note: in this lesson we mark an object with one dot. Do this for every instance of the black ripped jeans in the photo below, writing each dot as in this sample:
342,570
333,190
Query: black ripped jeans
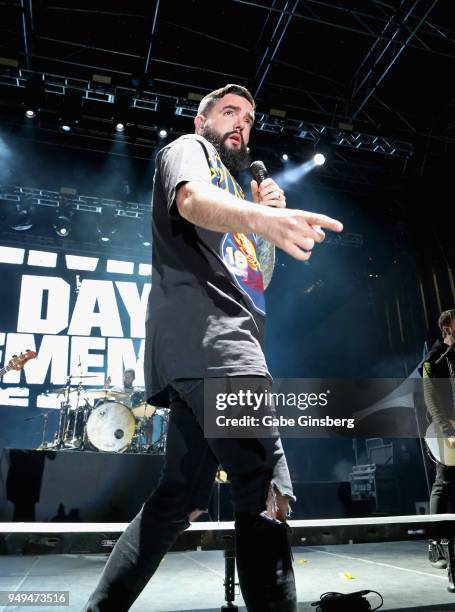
264,561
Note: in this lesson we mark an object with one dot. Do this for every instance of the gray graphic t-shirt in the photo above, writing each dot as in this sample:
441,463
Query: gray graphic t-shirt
206,309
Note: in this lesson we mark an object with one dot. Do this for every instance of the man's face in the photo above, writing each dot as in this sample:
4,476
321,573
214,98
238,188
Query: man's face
227,126
128,379
451,328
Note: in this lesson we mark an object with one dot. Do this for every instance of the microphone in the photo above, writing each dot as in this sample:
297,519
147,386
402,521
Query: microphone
446,352
259,171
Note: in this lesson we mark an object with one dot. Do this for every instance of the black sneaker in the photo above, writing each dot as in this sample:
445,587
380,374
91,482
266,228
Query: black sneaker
436,555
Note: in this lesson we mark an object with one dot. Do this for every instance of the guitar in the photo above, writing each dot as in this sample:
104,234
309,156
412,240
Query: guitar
438,446
17,362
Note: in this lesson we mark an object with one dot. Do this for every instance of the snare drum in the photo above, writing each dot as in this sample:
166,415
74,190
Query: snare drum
110,427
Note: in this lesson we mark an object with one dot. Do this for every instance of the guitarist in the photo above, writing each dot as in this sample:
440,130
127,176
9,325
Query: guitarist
439,363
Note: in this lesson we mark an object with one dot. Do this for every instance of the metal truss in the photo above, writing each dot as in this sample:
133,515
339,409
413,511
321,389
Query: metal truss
390,30
54,199
148,101
66,245
268,54
19,194
336,137
366,21
387,48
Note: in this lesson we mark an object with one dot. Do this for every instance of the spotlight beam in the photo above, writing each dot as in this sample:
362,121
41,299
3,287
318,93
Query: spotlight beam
294,175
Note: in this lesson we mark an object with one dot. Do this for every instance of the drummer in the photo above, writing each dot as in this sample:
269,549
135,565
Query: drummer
128,389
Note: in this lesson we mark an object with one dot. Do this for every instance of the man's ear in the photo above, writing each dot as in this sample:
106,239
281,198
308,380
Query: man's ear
199,121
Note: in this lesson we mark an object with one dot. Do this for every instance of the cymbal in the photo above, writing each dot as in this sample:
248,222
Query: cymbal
83,376
105,394
144,410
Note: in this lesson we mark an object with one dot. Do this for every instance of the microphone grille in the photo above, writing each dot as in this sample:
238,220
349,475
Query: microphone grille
259,171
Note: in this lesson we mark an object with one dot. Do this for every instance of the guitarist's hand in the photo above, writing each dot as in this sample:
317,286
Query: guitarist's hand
451,441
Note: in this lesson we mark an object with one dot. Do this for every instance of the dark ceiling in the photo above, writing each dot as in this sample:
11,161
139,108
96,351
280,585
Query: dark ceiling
384,68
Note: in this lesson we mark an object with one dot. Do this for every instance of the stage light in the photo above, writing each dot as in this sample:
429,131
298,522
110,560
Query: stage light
11,63
126,191
33,96
162,133
62,223
68,191
101,78
70,111
285,157
322,149
122,106
107,225
195,97
22,218
144,238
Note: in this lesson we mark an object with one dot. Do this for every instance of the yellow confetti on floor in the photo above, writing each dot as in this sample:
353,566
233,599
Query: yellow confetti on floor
348,576
302,561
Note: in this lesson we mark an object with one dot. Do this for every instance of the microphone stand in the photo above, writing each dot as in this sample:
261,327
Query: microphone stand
45,416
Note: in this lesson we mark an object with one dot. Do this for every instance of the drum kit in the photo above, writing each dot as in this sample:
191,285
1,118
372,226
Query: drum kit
108,420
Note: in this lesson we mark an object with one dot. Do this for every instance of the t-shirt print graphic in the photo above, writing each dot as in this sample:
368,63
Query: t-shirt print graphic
239,251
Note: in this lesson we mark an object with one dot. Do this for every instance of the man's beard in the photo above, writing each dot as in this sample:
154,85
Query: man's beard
234,159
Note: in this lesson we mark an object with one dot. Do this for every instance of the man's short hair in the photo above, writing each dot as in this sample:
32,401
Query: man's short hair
212,98
446,318
129,371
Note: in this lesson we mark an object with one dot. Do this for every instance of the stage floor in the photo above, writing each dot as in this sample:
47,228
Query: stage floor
193,581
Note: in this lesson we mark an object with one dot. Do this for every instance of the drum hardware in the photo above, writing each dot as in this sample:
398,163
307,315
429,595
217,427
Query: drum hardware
106,395
71,425
150,432
59,440
75,431
107,420
72,382
45,416
143,415
160,444
143,435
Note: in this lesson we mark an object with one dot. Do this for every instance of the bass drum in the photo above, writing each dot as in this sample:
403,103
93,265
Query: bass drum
110,427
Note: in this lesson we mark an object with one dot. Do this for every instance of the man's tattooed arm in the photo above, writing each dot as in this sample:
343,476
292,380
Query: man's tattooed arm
266,256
